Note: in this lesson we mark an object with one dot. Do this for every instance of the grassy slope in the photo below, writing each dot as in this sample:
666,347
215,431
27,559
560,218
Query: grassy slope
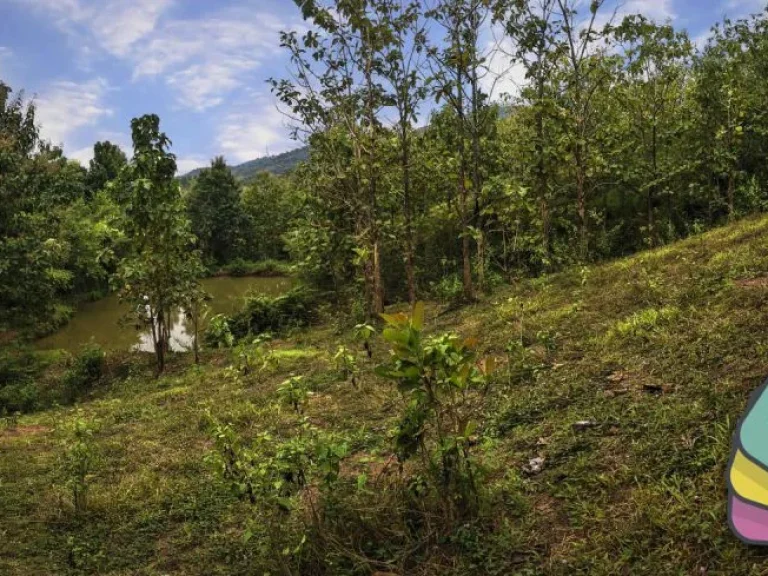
661,350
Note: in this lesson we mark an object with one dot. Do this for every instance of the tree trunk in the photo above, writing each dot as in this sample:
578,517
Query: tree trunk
196,325
409,243
581,206
731,194
652,189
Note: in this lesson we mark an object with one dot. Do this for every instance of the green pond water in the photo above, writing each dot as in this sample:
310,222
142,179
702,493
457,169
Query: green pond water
100,321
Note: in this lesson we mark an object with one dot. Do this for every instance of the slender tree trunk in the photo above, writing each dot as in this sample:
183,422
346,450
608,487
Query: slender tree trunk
407,211
581,204
159,338
477,183
731,194
196,325
469,291
541,176
378,285
652,191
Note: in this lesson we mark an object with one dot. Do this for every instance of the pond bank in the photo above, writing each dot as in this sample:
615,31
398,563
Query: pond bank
103,322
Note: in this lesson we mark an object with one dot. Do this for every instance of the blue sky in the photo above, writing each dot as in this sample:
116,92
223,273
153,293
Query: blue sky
201,65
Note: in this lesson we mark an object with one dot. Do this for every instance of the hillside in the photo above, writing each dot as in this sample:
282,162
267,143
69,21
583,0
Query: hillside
633,376
278,164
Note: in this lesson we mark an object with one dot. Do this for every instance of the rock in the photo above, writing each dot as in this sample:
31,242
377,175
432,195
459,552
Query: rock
536,465
583,425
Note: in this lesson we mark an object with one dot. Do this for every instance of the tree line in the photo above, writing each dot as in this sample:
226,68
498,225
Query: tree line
418,184
623,136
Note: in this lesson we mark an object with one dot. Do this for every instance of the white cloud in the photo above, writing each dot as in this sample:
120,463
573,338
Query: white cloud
658,10
189,163
115,25
204,60
67,106
83,155
504,76
739,8
254,131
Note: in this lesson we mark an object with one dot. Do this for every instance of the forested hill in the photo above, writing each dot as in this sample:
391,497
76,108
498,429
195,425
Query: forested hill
278,164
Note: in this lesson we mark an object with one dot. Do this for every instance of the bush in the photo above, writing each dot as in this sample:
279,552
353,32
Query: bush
218,335
449,289
241,267
269,314
86,371
20,397
18,391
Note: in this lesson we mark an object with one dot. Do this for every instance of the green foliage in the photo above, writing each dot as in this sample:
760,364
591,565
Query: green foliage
105,166
363,333
78,462
84,373
241,267
346,364
159,274
294,392
18,372
217,334
257,357
276,477
263,313
438,377
215,213
269,204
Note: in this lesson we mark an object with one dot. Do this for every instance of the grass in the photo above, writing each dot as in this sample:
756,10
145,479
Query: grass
660,352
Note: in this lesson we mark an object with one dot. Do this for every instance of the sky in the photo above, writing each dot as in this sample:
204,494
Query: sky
201,65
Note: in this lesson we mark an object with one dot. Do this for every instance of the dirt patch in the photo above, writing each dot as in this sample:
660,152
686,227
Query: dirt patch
761,282
23,431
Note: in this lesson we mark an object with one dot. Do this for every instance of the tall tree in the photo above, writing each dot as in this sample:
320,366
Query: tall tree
457,67
105,166
583,76
161,270
215,213
401,67
335,86
651,91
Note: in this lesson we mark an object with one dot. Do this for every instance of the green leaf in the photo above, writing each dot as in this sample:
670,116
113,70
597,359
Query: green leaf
417,320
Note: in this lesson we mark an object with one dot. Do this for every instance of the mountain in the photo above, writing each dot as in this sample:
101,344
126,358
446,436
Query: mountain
278,164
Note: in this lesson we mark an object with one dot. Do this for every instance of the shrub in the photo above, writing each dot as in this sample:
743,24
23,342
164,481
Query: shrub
438,378
277,477
18,391
86,371
258,357
78,461
346,365
448,289
241,267
218,334
294,392
261,313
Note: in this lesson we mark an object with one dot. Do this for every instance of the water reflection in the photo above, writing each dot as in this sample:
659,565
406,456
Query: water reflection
100,321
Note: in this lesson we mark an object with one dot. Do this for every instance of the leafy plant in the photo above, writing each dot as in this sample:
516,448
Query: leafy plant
294,392
363,333
346,364
269,314
273,474
78,461
258,357
438,378
218,333
86,371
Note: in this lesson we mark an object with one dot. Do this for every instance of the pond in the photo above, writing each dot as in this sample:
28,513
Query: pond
100,321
